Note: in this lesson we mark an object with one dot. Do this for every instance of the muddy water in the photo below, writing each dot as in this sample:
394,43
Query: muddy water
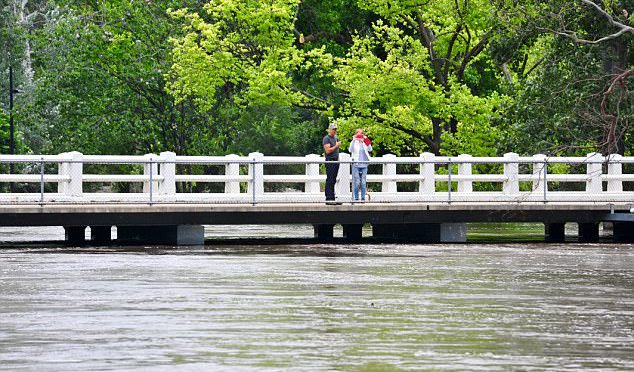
311,307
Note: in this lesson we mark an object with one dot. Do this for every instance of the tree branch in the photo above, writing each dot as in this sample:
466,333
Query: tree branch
450,49
471,54
619,79
623,28
311,96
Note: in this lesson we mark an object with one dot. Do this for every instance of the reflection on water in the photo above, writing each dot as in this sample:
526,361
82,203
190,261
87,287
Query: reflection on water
31,233
56,233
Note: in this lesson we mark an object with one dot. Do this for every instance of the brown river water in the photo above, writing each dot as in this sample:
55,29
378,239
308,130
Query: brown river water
227,306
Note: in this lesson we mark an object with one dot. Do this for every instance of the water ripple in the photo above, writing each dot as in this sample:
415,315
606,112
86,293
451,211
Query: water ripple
320,307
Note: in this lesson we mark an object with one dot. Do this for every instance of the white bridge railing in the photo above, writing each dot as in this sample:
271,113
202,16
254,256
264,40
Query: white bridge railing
63,178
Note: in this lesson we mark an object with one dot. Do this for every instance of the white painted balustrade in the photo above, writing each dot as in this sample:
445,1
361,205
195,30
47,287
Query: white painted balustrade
521,179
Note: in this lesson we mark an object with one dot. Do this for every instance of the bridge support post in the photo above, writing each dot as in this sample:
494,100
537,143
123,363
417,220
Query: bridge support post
343,189
75,235
422,232
589,232
353,232
389,170
623,232
73,170
167,169
465,169
555,232
594,169
101,234
427,185
511,171
311,186
163,235
615,168
232,170
324,232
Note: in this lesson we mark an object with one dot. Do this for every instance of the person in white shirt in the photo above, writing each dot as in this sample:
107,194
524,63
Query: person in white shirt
360,149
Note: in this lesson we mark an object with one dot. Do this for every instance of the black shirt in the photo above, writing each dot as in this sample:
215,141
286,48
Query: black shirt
332,141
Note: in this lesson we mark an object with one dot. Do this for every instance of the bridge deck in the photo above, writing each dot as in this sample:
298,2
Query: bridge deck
307,213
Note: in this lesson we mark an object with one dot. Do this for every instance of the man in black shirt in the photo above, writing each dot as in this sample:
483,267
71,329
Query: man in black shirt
331,147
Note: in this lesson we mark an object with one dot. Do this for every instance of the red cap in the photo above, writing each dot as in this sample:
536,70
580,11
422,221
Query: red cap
367,141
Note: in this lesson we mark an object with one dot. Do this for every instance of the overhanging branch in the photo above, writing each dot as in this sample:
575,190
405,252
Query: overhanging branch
622,28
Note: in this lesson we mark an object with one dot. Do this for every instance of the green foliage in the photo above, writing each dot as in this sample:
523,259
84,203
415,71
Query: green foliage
240,58
246,49
247,53
4,132
559,84
102,86
479,77
409,99
5,135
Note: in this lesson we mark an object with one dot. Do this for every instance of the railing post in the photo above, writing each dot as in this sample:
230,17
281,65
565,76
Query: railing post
539,183
511,171
256,183
615,168
464,169
389,169
74,171
150,165
427,183
594,169
167,169
232,169
343,187
312,170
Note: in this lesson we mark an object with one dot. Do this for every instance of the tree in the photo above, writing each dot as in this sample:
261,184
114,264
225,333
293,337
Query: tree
414,96
19,20
242,57
101,85
420,69
576,99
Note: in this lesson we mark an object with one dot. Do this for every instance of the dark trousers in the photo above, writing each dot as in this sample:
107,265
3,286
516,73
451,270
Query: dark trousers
331,178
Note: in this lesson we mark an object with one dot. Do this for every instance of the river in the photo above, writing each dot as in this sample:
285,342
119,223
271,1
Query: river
315,307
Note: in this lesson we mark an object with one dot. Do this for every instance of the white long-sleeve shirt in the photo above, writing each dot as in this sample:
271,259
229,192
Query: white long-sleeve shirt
360,151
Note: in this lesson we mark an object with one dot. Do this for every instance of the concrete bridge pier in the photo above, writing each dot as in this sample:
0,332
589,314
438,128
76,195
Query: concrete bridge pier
422,232
623,232
555,232
324,232
75,235
101,234
589,232
353,232
164,235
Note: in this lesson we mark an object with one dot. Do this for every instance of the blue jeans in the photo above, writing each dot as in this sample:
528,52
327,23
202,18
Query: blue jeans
358,181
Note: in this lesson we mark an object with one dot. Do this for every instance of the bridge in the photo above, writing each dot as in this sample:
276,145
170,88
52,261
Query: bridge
166,199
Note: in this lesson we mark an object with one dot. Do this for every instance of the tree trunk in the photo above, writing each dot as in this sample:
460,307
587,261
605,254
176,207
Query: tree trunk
614,64
22,20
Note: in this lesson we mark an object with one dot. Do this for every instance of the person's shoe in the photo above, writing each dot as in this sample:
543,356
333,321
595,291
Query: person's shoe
332,202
